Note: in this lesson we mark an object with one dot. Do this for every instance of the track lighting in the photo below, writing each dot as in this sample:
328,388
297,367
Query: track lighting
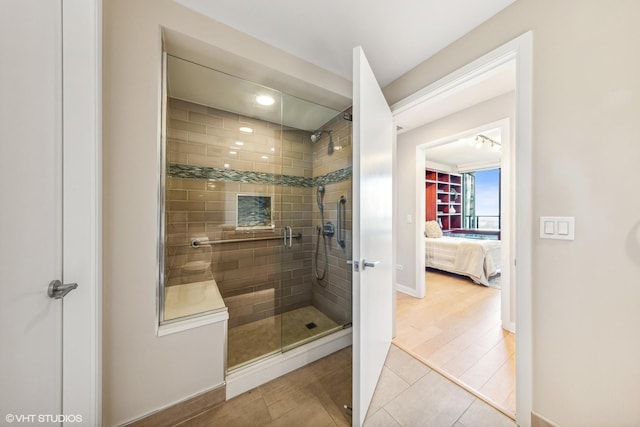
482,140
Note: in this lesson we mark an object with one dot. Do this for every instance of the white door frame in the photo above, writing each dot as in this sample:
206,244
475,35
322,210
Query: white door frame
520,50
82,210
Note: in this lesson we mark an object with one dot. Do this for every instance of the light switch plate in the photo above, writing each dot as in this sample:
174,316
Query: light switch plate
549,227
563,228
557,227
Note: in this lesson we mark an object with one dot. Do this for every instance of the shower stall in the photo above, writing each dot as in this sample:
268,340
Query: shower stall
257,196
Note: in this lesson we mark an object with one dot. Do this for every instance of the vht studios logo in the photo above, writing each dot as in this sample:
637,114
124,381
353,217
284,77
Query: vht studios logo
43,418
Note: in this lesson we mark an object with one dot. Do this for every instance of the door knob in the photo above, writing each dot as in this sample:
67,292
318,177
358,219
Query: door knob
366,264
58,291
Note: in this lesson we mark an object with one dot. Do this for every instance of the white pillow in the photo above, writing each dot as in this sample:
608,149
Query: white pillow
432,229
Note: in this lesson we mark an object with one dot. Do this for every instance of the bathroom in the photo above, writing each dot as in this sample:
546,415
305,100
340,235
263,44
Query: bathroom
247,186
146,370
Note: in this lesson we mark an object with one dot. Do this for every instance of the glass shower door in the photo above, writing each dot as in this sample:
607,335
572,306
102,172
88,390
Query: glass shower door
253,295
316,283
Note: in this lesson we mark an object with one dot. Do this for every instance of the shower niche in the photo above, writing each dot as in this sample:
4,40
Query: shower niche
252,180
254,212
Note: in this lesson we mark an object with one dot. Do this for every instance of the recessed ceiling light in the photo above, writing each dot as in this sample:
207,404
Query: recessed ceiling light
233,152
265,100
273,149
226,165
239,143
265,157
246,129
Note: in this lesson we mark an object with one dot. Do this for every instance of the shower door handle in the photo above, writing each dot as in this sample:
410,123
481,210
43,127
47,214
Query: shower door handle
341,214
288,231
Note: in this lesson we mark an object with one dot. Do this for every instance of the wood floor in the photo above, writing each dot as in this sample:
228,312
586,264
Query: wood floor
456,330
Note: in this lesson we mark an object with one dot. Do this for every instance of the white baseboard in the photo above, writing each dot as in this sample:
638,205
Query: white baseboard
509,326
538,420
275,366
407,290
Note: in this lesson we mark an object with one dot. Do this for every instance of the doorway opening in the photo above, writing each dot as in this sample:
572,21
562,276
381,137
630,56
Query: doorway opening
468,187
463,327
424,119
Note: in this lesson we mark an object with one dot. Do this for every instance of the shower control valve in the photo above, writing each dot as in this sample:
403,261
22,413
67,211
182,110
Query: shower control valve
329,229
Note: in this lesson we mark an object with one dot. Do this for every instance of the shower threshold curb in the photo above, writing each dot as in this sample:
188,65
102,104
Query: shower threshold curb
270,368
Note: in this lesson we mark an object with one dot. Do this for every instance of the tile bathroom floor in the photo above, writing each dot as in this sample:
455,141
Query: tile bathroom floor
408,394
256,339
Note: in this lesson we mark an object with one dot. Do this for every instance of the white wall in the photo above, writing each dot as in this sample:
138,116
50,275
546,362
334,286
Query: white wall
143,372
586,104
486,112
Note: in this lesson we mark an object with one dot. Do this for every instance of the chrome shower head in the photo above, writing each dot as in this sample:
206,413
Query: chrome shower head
315,137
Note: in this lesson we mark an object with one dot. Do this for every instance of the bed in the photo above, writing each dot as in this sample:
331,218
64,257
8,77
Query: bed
477,259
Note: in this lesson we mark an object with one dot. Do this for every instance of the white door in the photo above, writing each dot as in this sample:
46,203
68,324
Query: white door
372,234
31,214
39,108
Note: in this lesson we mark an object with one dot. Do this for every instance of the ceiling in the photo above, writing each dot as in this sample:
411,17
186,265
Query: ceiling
326,39
396,36
463,152
202,85
495,82
459,152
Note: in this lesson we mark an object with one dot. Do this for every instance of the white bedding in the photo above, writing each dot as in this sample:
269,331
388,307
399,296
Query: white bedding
475,258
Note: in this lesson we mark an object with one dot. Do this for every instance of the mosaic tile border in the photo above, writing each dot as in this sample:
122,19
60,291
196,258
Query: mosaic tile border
233,175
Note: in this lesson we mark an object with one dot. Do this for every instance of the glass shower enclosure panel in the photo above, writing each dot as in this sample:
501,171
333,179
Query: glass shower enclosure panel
223,222
250,176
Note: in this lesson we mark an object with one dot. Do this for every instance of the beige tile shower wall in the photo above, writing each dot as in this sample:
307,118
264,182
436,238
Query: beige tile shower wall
324,163
203,136
248,273
332,295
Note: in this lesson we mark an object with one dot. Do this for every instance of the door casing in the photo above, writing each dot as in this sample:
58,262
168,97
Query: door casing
521,50
82,206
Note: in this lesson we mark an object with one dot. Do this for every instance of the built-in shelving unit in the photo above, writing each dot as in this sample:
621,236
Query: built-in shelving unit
444,198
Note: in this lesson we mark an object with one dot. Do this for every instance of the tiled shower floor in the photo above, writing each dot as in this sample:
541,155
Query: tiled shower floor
267,336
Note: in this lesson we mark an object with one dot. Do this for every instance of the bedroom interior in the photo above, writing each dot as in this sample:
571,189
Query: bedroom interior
462,205
460,332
